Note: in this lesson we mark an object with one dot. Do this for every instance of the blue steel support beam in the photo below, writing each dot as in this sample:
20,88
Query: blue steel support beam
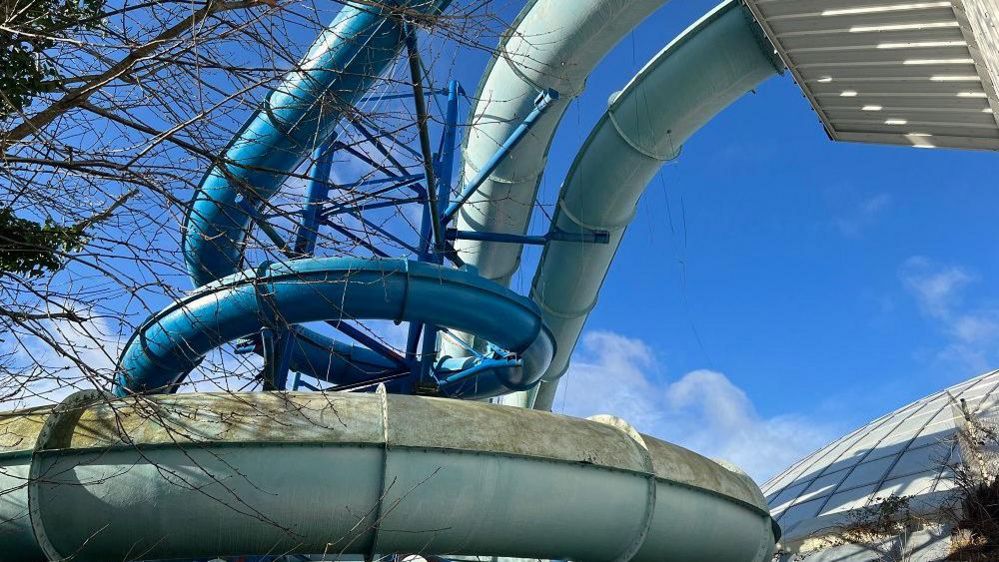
358,202
422,121
368,341
275,347
268,346
543,102
380,147
373,206
281,368
378,131
592,237
416,328
319,188
449,141
382,232
367,160
403,180
445,165
428,92
356,239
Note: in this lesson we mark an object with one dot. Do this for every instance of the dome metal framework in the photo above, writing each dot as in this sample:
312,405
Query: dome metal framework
909,452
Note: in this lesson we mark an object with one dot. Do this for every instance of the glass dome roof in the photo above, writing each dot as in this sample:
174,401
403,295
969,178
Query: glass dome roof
906,453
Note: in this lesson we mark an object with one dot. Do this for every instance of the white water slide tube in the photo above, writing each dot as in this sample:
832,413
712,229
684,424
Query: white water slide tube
553,44
557,44
203,475
704,70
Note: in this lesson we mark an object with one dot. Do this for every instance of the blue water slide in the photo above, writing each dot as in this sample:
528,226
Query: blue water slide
173,342
296,118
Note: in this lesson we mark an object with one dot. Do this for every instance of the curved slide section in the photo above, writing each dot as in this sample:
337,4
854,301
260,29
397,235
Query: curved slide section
172,343
298,116
708,67
359,474
334,361
553,44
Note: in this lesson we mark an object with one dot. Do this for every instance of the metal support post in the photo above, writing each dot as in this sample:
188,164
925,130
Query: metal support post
422,120
319,187
541,104
588,237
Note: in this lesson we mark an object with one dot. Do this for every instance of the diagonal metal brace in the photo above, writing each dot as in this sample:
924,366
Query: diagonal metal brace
541,104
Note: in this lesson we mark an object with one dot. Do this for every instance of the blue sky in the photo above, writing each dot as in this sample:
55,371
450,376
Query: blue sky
822,284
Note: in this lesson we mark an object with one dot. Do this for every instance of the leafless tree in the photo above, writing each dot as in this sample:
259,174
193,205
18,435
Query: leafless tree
120,110
133,102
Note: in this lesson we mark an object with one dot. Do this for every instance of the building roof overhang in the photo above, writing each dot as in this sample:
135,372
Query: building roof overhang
915,73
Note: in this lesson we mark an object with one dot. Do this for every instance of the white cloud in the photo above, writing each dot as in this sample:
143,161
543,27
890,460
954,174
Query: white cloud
972,331
935,288
703,410
862,215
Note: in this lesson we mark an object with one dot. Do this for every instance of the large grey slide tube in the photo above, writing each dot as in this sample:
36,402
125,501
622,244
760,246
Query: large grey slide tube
202,475
553,44
708,67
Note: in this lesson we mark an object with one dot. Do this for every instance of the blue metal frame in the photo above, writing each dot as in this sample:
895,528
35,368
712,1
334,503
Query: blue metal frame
313,215
357,239
318,193
410,183
369,224
380,147
277,344
433,189
372,206
367,159
421,344
269,309
428,93
403,181
444,164
590,237
371,343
